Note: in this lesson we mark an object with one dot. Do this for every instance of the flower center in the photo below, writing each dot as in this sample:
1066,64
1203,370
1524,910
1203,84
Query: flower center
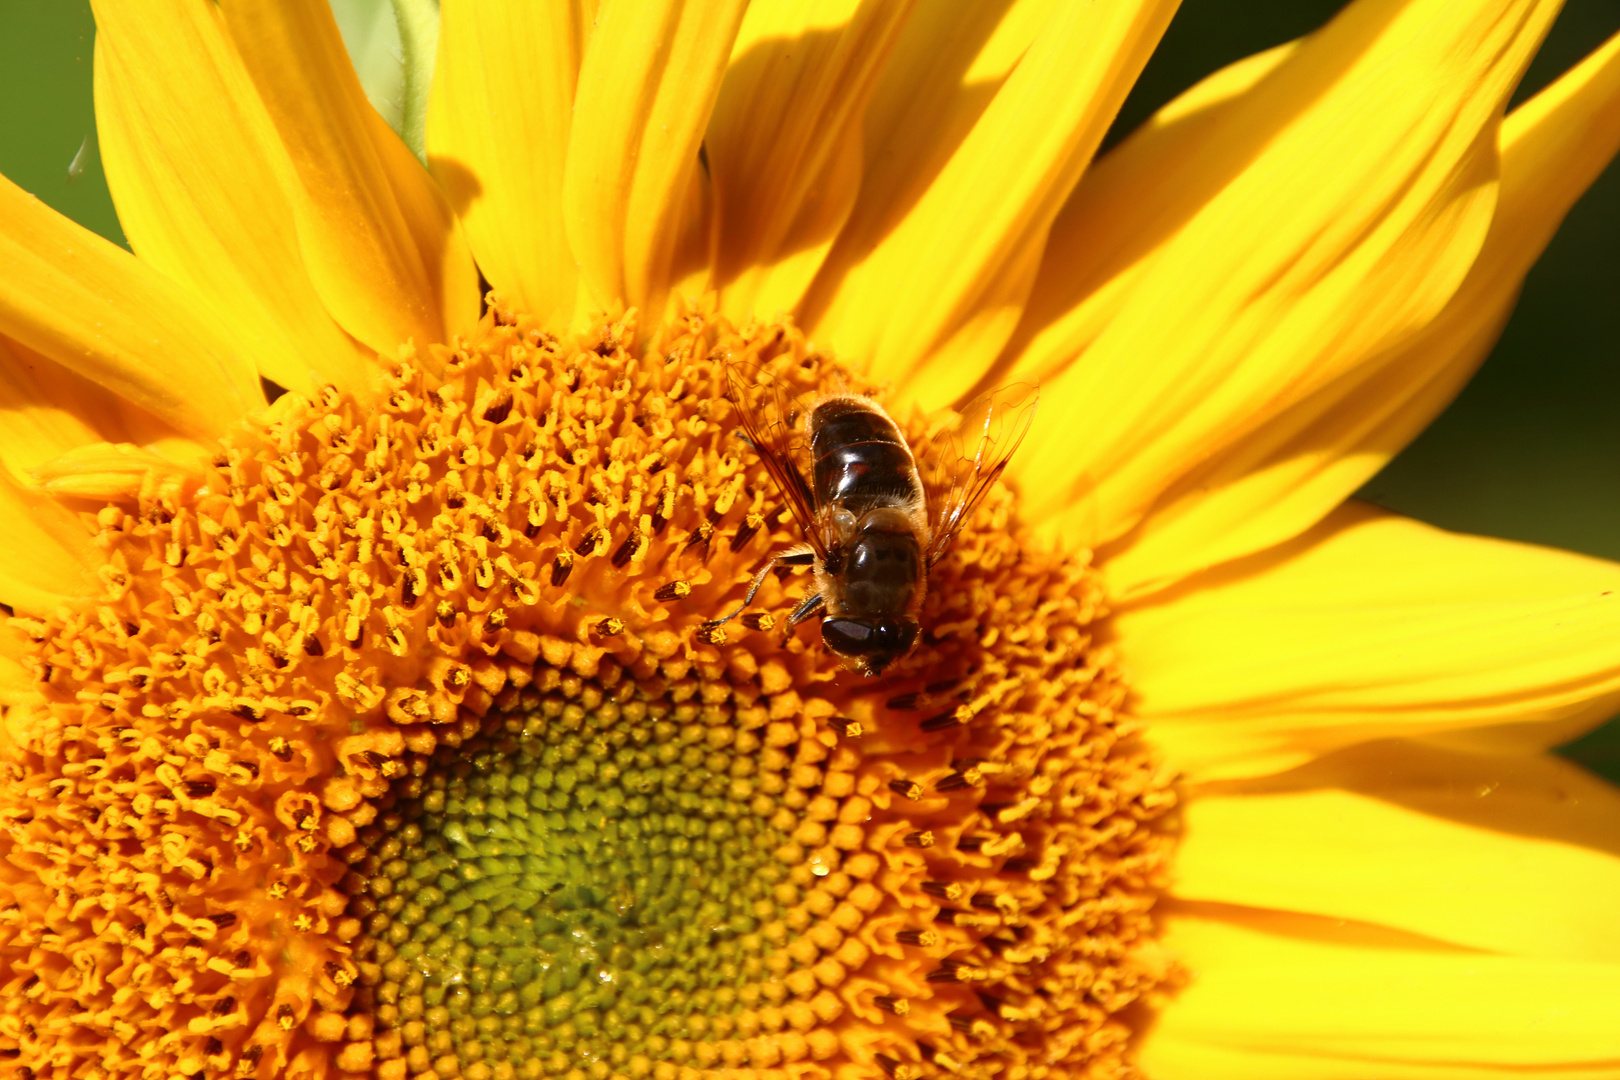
603,874
402,745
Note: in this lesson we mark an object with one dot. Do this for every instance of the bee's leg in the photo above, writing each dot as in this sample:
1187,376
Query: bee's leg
807,609
798,555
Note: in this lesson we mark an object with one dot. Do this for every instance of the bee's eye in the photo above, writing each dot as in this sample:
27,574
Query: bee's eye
855,637
849,637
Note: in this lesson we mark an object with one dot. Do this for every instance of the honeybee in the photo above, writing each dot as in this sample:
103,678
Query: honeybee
874,521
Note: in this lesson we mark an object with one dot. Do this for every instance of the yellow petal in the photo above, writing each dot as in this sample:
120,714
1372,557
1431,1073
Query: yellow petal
46,410
378,238
116,472
177,119
1553,147
1330,213
1368,626
784,143
17,684
1270,1001
48,414
1281,478
650,76
1532,737
497,137
943,73
1126,205
931,300
1468,849
46,554
102,313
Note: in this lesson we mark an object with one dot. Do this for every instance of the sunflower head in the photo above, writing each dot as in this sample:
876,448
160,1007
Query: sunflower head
395,726
406,731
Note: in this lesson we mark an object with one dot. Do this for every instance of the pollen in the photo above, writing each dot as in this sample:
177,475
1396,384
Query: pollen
398,746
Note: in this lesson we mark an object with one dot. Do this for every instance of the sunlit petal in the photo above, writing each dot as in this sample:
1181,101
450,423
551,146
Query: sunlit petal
931,301
497,134
1276,999
378,238
1125,206
1331,213
1368,626
646,87
1281,478
98,311
784,143
944,71
177,117
1410,837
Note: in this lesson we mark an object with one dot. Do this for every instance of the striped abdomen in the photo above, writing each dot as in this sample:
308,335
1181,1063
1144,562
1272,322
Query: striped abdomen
861,460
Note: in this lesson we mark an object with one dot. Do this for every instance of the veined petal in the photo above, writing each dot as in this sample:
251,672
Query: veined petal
46,554
1281,478
932,300
1368,626
99,311
946,68
784,143
1331,213
1270,1000
1092,257
649,80
1284,476
497,136
1407,836
378,238
179,121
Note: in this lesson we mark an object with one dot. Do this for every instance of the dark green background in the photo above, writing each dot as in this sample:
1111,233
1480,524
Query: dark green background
1530,450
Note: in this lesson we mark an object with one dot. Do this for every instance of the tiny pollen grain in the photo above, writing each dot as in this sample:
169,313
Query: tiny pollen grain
397,746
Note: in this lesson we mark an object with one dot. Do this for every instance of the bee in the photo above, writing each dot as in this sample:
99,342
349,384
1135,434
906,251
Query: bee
874,521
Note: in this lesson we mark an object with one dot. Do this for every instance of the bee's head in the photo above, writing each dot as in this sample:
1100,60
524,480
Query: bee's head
869,645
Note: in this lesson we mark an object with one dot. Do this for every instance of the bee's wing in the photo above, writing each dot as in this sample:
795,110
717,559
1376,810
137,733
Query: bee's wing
965,462
768,412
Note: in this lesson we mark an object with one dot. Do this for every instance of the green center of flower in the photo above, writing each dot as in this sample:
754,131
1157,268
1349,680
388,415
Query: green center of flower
594,876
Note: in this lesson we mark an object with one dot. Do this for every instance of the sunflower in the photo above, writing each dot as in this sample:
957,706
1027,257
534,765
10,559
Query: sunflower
364,712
